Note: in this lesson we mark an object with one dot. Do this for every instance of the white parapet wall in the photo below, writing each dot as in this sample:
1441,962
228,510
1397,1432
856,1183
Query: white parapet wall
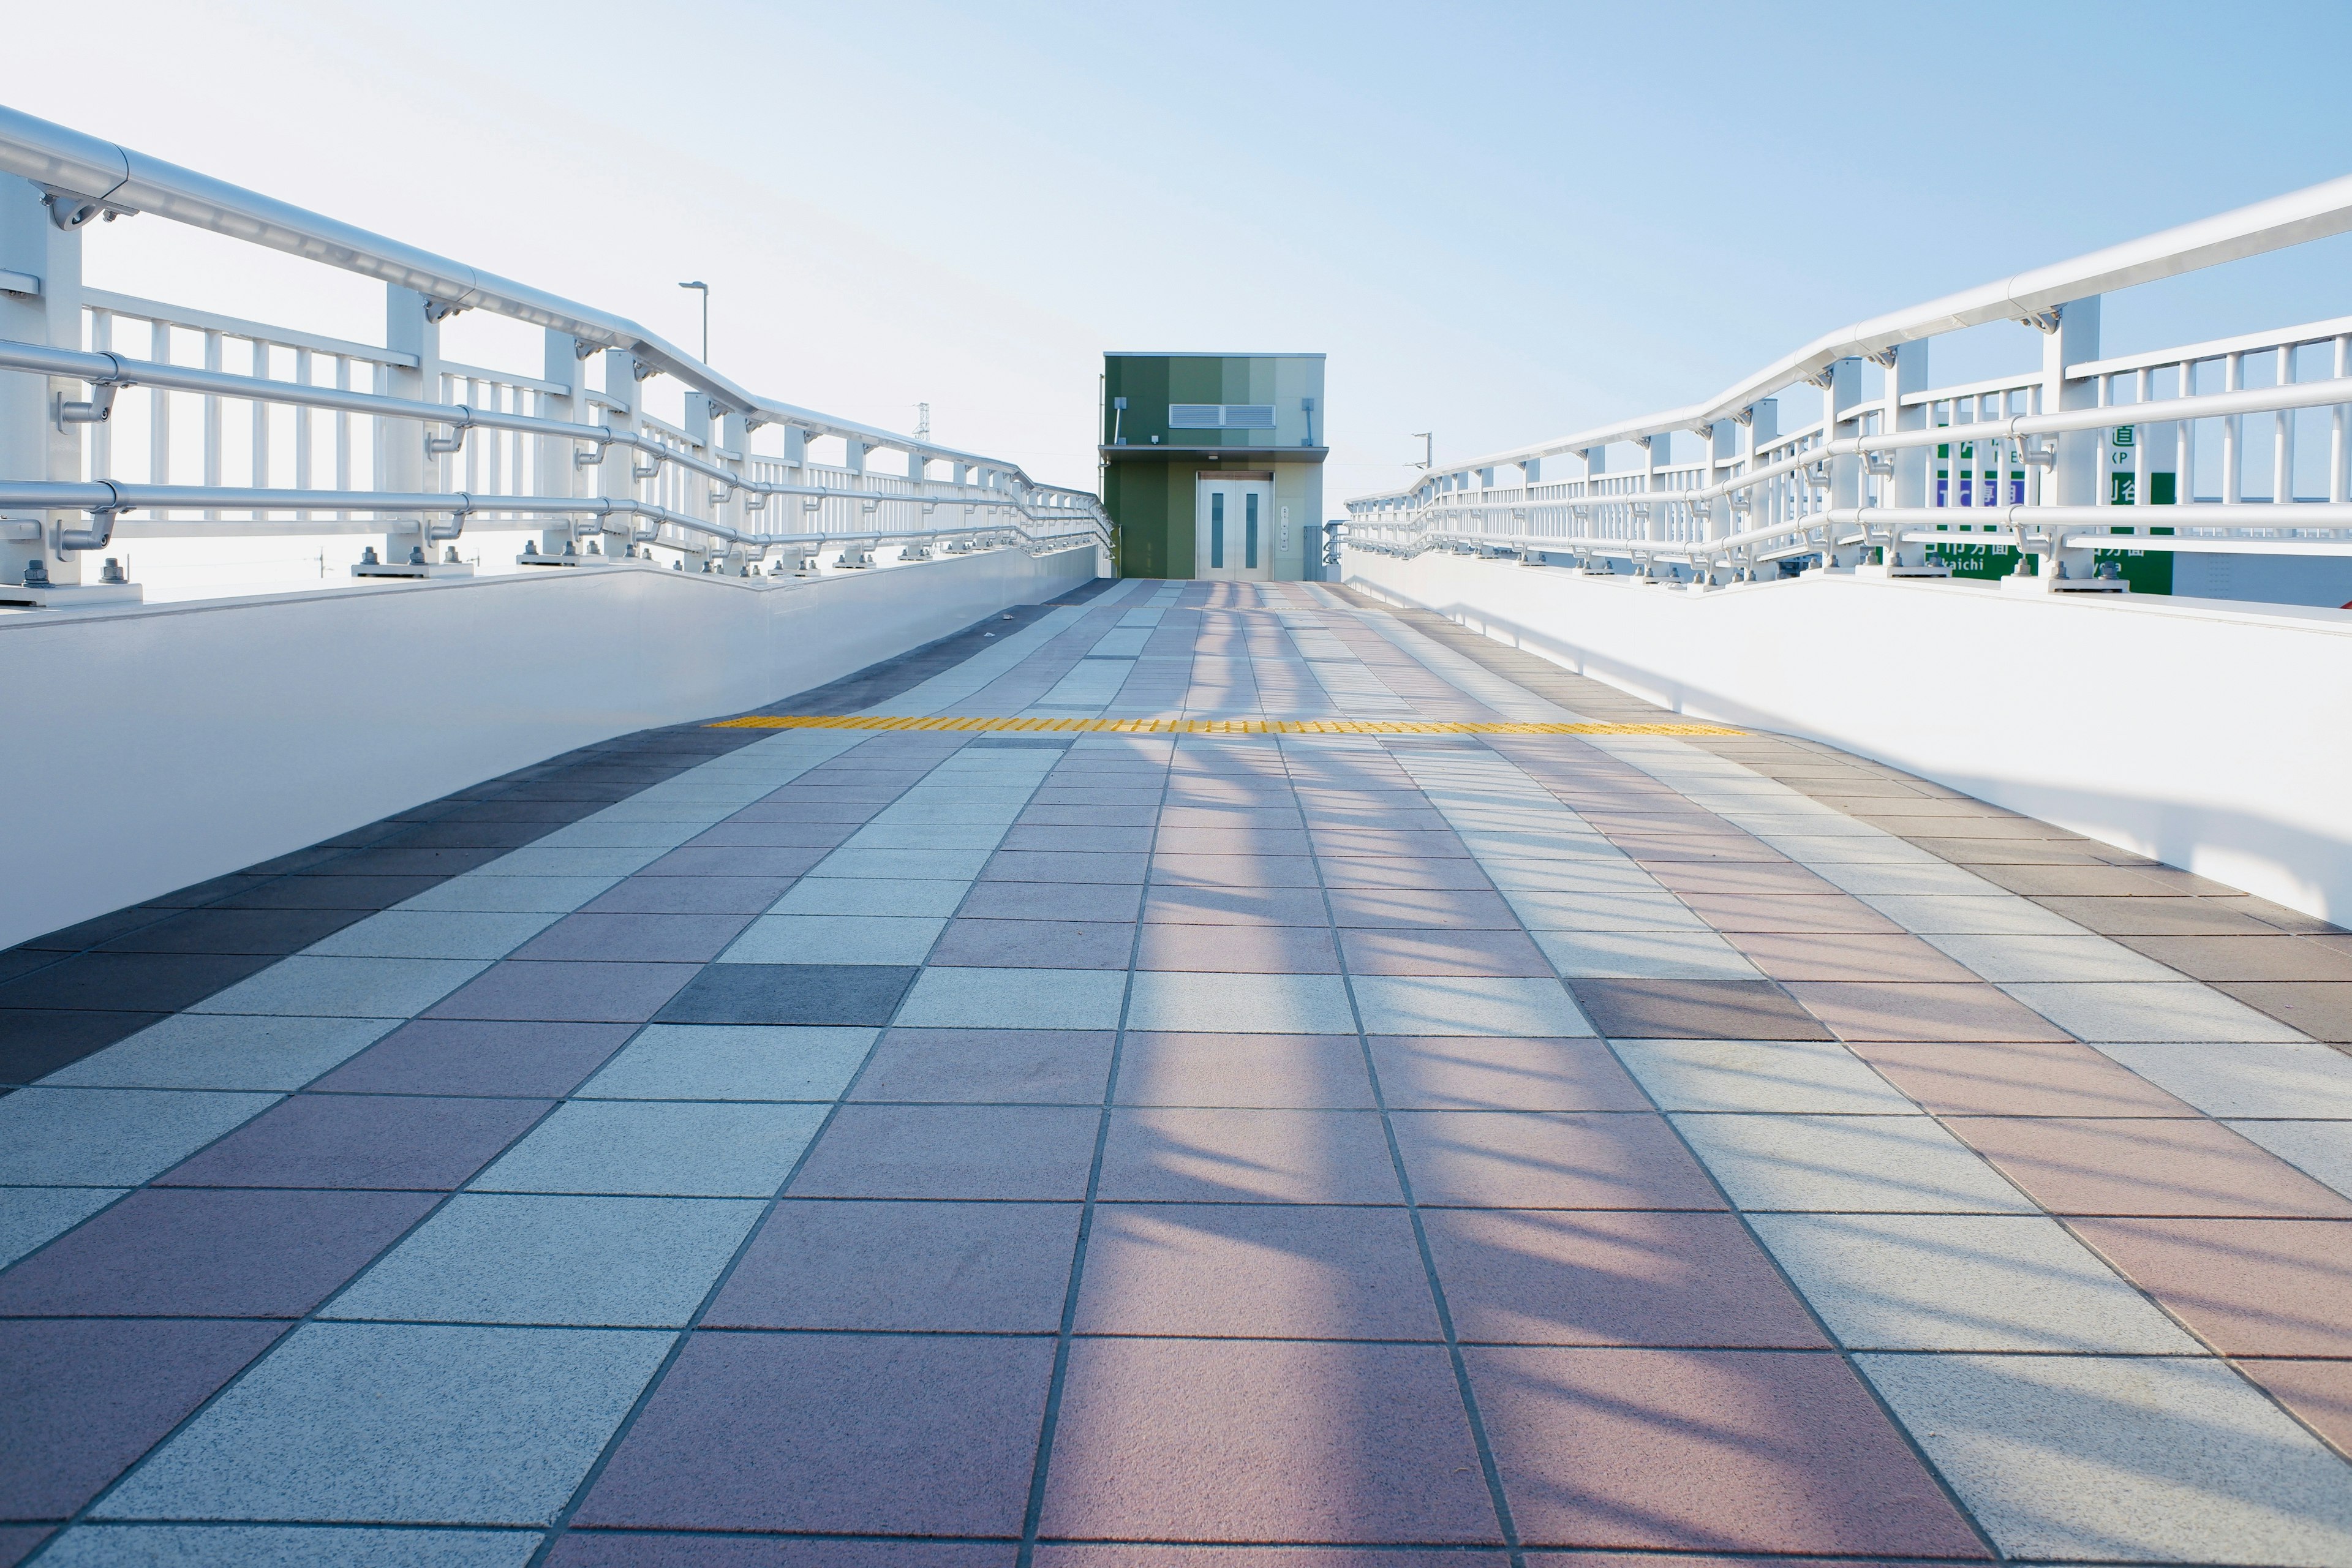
2214,736
154,748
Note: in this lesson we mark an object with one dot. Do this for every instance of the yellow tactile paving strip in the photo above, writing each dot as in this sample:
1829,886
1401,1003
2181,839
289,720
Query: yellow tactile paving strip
1202,726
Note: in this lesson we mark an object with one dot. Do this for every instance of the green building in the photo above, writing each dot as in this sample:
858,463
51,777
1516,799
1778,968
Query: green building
1212,465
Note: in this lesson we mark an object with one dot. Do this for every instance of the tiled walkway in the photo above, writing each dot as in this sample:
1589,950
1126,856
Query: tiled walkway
730,1147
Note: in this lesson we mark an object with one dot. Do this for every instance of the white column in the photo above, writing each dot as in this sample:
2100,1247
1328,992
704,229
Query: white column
558,474
404,466
616,478
1841,411
33,445
2080,473
1912,464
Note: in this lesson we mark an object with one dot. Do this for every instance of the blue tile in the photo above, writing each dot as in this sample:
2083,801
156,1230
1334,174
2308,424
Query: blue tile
820,993
633,1263
219,1050
732,1062
35,1217
656,1147
111,1137
396,1423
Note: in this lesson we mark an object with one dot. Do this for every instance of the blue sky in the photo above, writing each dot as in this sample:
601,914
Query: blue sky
1502,222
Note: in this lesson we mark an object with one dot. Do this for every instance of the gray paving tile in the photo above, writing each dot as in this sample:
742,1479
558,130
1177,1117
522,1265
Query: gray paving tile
574,861
1863,880
345,987
2296,1080
214,1051
111,1137
399,1424
2146,1012
658,1149
2002,915
410,933
2046,955
1964,1282
1014,999
1189,1002
34,1216
1643,955
1596,909
1466,1004
821,895
732,1062
1882,1164
2322,1150
606,1262
2126,1458
286,1546
1801,1076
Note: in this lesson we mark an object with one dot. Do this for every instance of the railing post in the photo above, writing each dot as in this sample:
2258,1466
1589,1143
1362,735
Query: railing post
410,327
2080,472
33,442
1840,418
1907,375
615,478
558,474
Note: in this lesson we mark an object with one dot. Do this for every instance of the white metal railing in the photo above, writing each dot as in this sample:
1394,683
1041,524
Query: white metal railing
148,418
2197,448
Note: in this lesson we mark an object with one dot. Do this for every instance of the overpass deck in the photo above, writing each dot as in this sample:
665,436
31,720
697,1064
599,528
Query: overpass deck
1105,1145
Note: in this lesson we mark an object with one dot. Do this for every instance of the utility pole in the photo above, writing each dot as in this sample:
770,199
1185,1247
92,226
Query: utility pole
923,422
1428,450
705,289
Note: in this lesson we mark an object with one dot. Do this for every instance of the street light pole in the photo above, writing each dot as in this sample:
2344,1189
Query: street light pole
705,288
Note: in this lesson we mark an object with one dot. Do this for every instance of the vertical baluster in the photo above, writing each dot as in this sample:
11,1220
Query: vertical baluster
302,374
2233,378
2338,452
2184,436
2283,434
260,421
342,433
159,409
2143,392
211,423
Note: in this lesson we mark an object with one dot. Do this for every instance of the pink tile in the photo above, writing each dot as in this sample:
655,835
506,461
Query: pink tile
1248,1156
1035,1067
2320,1392
1529,1160
1251,1440
2148,1167
2016,1077
1096,1555
649,1549
914,1266
1930,1011
859,1433
1276,1071
1232,948
1839,955
1720,1450
1565,1277
1260,1270
2246,1286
